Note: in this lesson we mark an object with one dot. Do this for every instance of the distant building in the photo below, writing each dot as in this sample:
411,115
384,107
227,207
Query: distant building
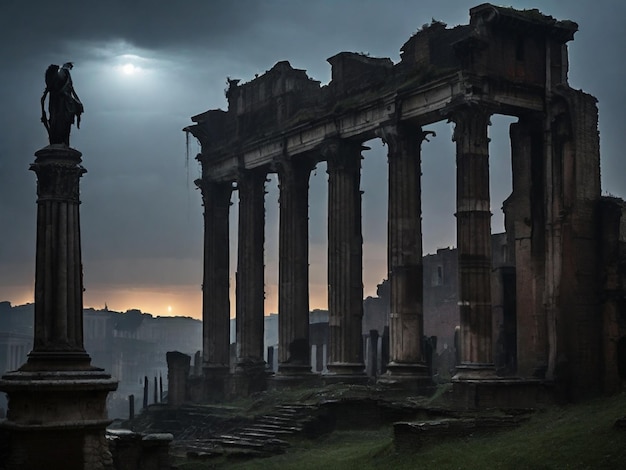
129,346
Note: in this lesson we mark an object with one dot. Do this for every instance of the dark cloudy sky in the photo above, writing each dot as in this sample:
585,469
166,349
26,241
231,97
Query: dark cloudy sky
142,68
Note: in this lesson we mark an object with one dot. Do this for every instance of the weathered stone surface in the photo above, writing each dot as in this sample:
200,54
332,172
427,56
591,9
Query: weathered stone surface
505,61
57,401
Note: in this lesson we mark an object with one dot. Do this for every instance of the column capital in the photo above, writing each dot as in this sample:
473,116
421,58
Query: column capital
289,166
212,189
58,170
338,152
471,123
395,135
244,175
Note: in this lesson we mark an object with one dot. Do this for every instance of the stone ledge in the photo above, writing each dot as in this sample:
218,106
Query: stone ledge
409,436
61,426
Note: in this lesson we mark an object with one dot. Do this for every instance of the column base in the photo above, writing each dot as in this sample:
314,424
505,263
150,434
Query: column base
505,393
58,361
215,377
286,368
408,376
250,376
294,377
345,372
57,419
475,371
250,367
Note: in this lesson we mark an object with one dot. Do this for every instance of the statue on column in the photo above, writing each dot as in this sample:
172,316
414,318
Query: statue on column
64,106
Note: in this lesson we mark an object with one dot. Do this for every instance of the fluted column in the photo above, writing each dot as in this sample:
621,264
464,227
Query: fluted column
345,253
57,400
404,258
58,271
293,267
473,221
215,284
250,269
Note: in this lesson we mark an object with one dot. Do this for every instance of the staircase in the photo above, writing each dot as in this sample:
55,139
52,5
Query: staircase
263,437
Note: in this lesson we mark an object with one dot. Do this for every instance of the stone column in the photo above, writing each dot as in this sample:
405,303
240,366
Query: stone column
293,268
525,227
345,253
59,279
57,400
473,221
178,367
404,257
215,285
250,271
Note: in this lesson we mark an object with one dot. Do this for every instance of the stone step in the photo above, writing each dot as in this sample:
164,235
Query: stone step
238,445
258,434
296,406
273,430
277,427
235,438
267,437
275,420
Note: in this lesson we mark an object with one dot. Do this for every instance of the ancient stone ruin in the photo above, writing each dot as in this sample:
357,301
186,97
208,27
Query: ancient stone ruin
57,400
564,237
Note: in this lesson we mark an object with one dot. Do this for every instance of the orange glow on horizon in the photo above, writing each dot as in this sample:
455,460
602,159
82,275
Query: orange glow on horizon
186,300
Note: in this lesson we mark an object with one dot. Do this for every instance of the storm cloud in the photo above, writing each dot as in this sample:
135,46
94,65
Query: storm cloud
143,68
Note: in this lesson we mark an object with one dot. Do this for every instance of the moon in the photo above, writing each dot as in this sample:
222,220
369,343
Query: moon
129,69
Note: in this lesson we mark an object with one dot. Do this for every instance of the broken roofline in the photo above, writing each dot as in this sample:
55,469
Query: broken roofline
285,111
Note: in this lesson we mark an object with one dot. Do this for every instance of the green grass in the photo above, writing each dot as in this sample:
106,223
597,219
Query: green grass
579,436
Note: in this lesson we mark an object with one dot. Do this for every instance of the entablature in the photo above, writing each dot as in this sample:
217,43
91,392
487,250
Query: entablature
284,112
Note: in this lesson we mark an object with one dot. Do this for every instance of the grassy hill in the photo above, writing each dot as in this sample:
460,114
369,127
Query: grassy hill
581,436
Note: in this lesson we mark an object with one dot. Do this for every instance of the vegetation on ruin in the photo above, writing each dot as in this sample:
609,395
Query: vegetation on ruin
573,436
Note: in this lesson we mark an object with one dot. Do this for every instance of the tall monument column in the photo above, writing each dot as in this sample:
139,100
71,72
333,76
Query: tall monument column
57,401
473,222
345,258
215,285
250,291
293,271
57,415
404,258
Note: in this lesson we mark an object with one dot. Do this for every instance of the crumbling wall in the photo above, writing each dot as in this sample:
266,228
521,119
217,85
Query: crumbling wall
572,279
612,212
